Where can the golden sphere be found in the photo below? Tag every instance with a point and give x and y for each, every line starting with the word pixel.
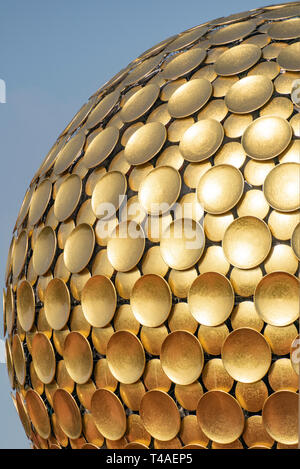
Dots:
pixel 152 291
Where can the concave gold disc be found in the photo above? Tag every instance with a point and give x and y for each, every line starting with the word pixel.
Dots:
pixel 67 413
pixel 251 396
pixel 44 250
pixel 108 414
pixel 255 435
pixel 215 376
pixel 201 140
pixel 57 303
pixel 182 243
pixel 108 194
pixel 245 315
pixel 215 408
pixel 182 357
pixel 282 187
pixel 183 63
pixel 151 300
pixel 69 153
pixel 211 298
pixel 159 190
pixel 154 376
pixel 288 29
pixel 246 355
pixel 294 354
pixel 125 357
pixel 25 305
pixel 38 413
pixel 160 415
pixel 145 143
pixel 78 357
pixel 288 57
pixel 102 109
pixel 43 357
pixel 100 147
pixel 248 94
pixel 79 247
pixel 39 201
pixel 67 197
pixel 237 59
pixel 275 293
pixel 220 188
pixel 247 242
pixel 189 97
pixel 280 416
pixel 23 414
pixel 139 103
pixel 266 137
pixel 17 357
pixel 126 245
pixel 282 376
pixel 231 33
pixel 295 241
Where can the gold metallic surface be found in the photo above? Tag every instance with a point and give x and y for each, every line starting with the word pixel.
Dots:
pixel 154 265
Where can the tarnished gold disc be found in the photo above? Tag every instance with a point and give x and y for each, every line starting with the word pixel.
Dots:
pixel 44 250
pixel 183 63
pixel 151 300
pixel 211 298
pixel 182 243
pixel 125 357
pixel 282 187
pixel 108 414
pixel 145 143
pixel 57 303
pixel 38 413
pixel 248 94
pixel 189 97
pixel 108 194
pixel 78 357
pixel 79 247
pixel 43 357
pixel 160 415
pixel 237 59
pixel 266 137
pixel 215 408
pixel 277 292
pixel 247 242
pixel 159 190
pixel 220 189
pixel 280 416
pixel 139 103
pixel 67 197
pixel 246 355
pixel 182 357
pixel 201 140
pixel 67 413
pixel 98 300
pixel 100 147
pixel 126 245
pixel 25 305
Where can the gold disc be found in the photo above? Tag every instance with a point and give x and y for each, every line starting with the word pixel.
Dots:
pixel 245 315
pixel 67 197
pixel 98 300
pixel 139 103
pixel 247 242
pixel 67 413
pixel 126 245
pixel 183 63
pixel 182 243
pixel 237 59
pixel 43 358
pixel 251 396
pixel 201 140
pixel 277 292
pixel 211 298
pixel 159 190
pixel 253 203
pixel 288 57
pixel 182 367
pixel 255 435
pixel 151 300
pixel 295 241
pixel 108 414
pixel 39 201
pixel 38 413
pixel 78 357
pixel 108 194
pixel 145 143
pixel 246 355
pixel 102 109
pixel 282 188
pixel 16 359
pixel 215 408
pixel 100 147
pixel 281 258
pixel 79 248
pixel 288 29
pixel 280 338
pixel 220 189
pixel 57 303
pixel 231 33
pixel 280 416
pixel 25 305
pixel 125 357
pixel 69 153
pixel 189 97
pixel 215 376
pixel 44 250
pixel 266 137
pixel 282 376
pixel 232 153
pixel 248 94
pixel 160 415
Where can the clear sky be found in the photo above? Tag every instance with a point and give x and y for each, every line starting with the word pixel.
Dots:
pixel 54 55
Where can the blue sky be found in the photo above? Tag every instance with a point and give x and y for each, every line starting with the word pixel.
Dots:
pixel 54 55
